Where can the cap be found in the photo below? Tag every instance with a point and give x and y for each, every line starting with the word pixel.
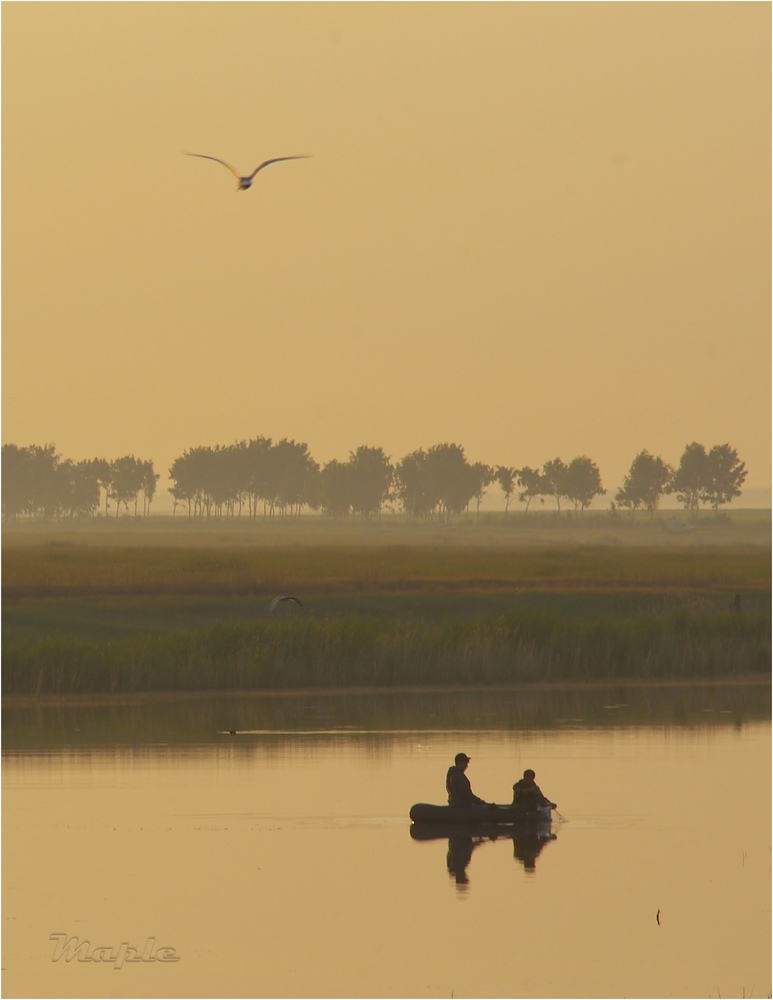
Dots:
pixel 461 758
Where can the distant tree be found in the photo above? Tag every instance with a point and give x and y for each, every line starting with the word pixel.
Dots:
pixel 371 480
pixel 291 471
pixel 506 478
pixel 412 485
pixel 726 475
pixel 532 484
pixel 149 480
pixel 691 479
pixel 17 481
pixel 36 482
pixel 553 480
pixel 450 479
pixel 645 483
pixel 225 483
pixel 220 480
pixel 334 489
pixel 256 458
pixel 126 477
pixel 101 468
pixel 185 488
pixel 582 482
pixel 77 489
pixel 481 477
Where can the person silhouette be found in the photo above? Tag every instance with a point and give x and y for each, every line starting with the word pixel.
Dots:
pixel 458 784
pixel 528 795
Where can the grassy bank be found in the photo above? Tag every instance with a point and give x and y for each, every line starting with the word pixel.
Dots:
pixel 168 612
pixel 340 652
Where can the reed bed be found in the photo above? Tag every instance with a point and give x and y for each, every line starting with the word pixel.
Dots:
pixel 341 651
pixel 158 610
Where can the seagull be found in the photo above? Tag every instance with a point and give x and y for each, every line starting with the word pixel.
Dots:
pixel 278 600
pixel 246 182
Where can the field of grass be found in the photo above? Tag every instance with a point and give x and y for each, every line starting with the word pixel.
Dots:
pixel 162 607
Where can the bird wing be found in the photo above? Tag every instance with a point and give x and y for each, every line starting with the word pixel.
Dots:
pixel 278 600
pixel 277 159
pixel 204 156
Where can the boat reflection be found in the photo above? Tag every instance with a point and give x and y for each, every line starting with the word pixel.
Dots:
pixel 529 840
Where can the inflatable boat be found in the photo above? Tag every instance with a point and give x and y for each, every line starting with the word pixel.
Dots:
pixel 422 812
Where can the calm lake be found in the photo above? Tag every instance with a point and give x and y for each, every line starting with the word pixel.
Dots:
pixel 147 852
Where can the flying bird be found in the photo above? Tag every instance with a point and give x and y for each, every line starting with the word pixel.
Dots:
pixel 246 182
pixel 278 600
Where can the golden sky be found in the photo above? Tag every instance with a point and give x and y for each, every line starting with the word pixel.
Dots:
pixel 532 229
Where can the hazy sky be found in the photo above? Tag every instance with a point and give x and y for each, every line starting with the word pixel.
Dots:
pixel 532 229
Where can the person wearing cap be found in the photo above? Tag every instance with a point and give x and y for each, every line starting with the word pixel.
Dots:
pixel 458 784
pixel 528 795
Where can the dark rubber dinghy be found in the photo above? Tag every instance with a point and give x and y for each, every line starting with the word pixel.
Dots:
pixel 422 812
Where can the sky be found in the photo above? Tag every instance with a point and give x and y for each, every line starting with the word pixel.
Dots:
pixel 536 230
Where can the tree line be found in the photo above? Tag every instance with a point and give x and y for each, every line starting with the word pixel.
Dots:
pixel 262 478
pixel 38 483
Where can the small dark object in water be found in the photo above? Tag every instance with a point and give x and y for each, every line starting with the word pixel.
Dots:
pixel 232 732
pixel 736 605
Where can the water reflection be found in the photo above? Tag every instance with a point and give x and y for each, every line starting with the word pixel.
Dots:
pixel 528 844
pixel 210 718
pixel 255 856
pixel 529 840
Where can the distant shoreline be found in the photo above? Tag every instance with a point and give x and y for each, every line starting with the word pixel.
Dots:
pixel 13 700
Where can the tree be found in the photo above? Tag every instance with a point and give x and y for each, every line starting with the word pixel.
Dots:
pixel 186 483
pixel 42 481
pixel 126 477
pixel 371 480
pixel 726 475
pixel 532 484
pixel 255 457
pixel 149 480
pixel 450 479
pixel 481 477
pixel 645 483
pixel 582 482
pixel 413 488
pixel 334 489
pixel 553 480
pixel 291 470
pixel 78 488
pixel 506 478
pixel 690 480
pixel 101 468
pixel 17 481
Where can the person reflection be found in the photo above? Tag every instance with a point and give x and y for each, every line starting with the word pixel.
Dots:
pixel 460 850
pixel 529 841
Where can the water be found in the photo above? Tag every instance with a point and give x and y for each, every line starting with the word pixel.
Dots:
pixel 280 862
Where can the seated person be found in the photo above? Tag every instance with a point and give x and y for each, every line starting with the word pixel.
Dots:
pixel 527 795
pixel 458 784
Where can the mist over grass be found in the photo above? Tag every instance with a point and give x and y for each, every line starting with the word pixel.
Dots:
pixel 167 609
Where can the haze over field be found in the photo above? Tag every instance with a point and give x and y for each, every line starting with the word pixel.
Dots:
pixel 533 229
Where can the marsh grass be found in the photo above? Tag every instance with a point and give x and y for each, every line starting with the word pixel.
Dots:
pixel 50 570
pixel 121 612
pixel 341 651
